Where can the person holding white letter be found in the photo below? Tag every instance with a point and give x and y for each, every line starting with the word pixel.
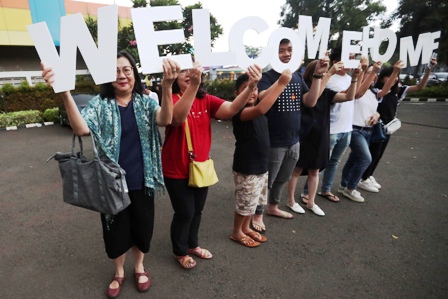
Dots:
pixel 123 122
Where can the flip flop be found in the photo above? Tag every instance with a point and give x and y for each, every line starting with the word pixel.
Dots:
pixel 186 261
pixel 257 227
pixel 283 214
pixel 246 241
pixel 257 237
pixel 330 197
pixel 200 252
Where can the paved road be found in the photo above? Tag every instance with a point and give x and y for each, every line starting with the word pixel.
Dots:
pixel 395 245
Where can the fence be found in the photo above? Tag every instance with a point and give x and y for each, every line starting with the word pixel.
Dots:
pixel 16 78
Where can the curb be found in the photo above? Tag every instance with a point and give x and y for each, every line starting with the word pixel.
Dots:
pixel 425 100
pixel 35 125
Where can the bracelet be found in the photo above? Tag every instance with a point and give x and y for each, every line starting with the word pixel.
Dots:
pixel 354 81
pixel 317 76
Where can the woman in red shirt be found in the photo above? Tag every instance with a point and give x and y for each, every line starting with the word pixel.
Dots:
pixel 193 104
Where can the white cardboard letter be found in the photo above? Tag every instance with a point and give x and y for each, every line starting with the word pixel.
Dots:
pixel 348 48
pixel 384 34
pixel 424 46
pixel 202 42
pixel 148 39
pixel 322 35
pixel 100 61
pixel 236 43
pixel 298 49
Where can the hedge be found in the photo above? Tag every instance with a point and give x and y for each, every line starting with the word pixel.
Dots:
pixel 39 97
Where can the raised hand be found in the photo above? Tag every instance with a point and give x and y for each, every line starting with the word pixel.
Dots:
pixel 364 63
pixel 195 73
pixel 285 77
pixel 336 67
pixel 47 74
pixel 376 66
pixel 254 72
pixel 170 71
pixel 322 65
pixel 356 72
pixel 398 65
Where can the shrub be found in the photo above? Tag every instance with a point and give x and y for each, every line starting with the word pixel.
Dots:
pixel 24 87
pixel 436 91
pixel 20 118
pixel 223 89
pixel 51 114
pixel 40 86
pixel 8 88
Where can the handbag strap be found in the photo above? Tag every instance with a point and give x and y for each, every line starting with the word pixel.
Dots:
pixel 189 144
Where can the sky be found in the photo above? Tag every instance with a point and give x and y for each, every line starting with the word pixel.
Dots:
pixel 229 11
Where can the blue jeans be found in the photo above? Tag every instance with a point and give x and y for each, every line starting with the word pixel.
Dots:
pixel 358 160
pixel 338 144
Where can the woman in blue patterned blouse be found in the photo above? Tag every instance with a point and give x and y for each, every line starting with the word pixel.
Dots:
pixel 124 123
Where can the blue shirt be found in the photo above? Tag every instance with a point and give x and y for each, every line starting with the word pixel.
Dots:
pixel 284 116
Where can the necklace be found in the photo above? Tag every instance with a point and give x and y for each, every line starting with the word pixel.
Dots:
pixel 123 103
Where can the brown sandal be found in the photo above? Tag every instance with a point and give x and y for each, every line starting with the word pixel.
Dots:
pixel 246 241
pixel 257 237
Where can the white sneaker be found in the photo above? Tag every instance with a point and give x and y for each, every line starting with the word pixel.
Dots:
pixel 316 210
pixel 341 189
pixel 368 186
pixel 354 195
pixel 374 182
pixel 296 208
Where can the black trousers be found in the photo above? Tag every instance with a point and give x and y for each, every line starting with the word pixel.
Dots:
pixel 131 227
pixel 376 150
pixel 188 204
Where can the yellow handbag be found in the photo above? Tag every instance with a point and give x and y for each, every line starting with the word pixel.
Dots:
pixel 201 174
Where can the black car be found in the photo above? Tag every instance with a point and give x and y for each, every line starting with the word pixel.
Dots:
pixel 81 101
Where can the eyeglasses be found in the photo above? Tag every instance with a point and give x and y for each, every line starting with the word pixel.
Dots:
pixel 127 70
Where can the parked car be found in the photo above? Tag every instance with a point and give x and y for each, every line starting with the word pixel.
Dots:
pixel 442 76
pixel 432 80
pixel 81 101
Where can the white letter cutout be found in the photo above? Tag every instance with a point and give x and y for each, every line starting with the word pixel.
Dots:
pixel 425 46
pixel 297 49
pixel 236 43
pixel 322 35
pixel 202 42
pixel 148 39
pixel 101 61
pixel 348 48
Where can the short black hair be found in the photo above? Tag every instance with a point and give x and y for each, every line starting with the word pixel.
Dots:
pixel 108 91
pixel 386 72
pixel 336 54
pixel 284 41
pixel 240 80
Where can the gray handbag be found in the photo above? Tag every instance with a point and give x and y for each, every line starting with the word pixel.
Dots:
pixel 98 185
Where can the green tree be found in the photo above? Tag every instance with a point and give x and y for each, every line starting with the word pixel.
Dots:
pixel 421 16
pixel 344 14
pixel 252 51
